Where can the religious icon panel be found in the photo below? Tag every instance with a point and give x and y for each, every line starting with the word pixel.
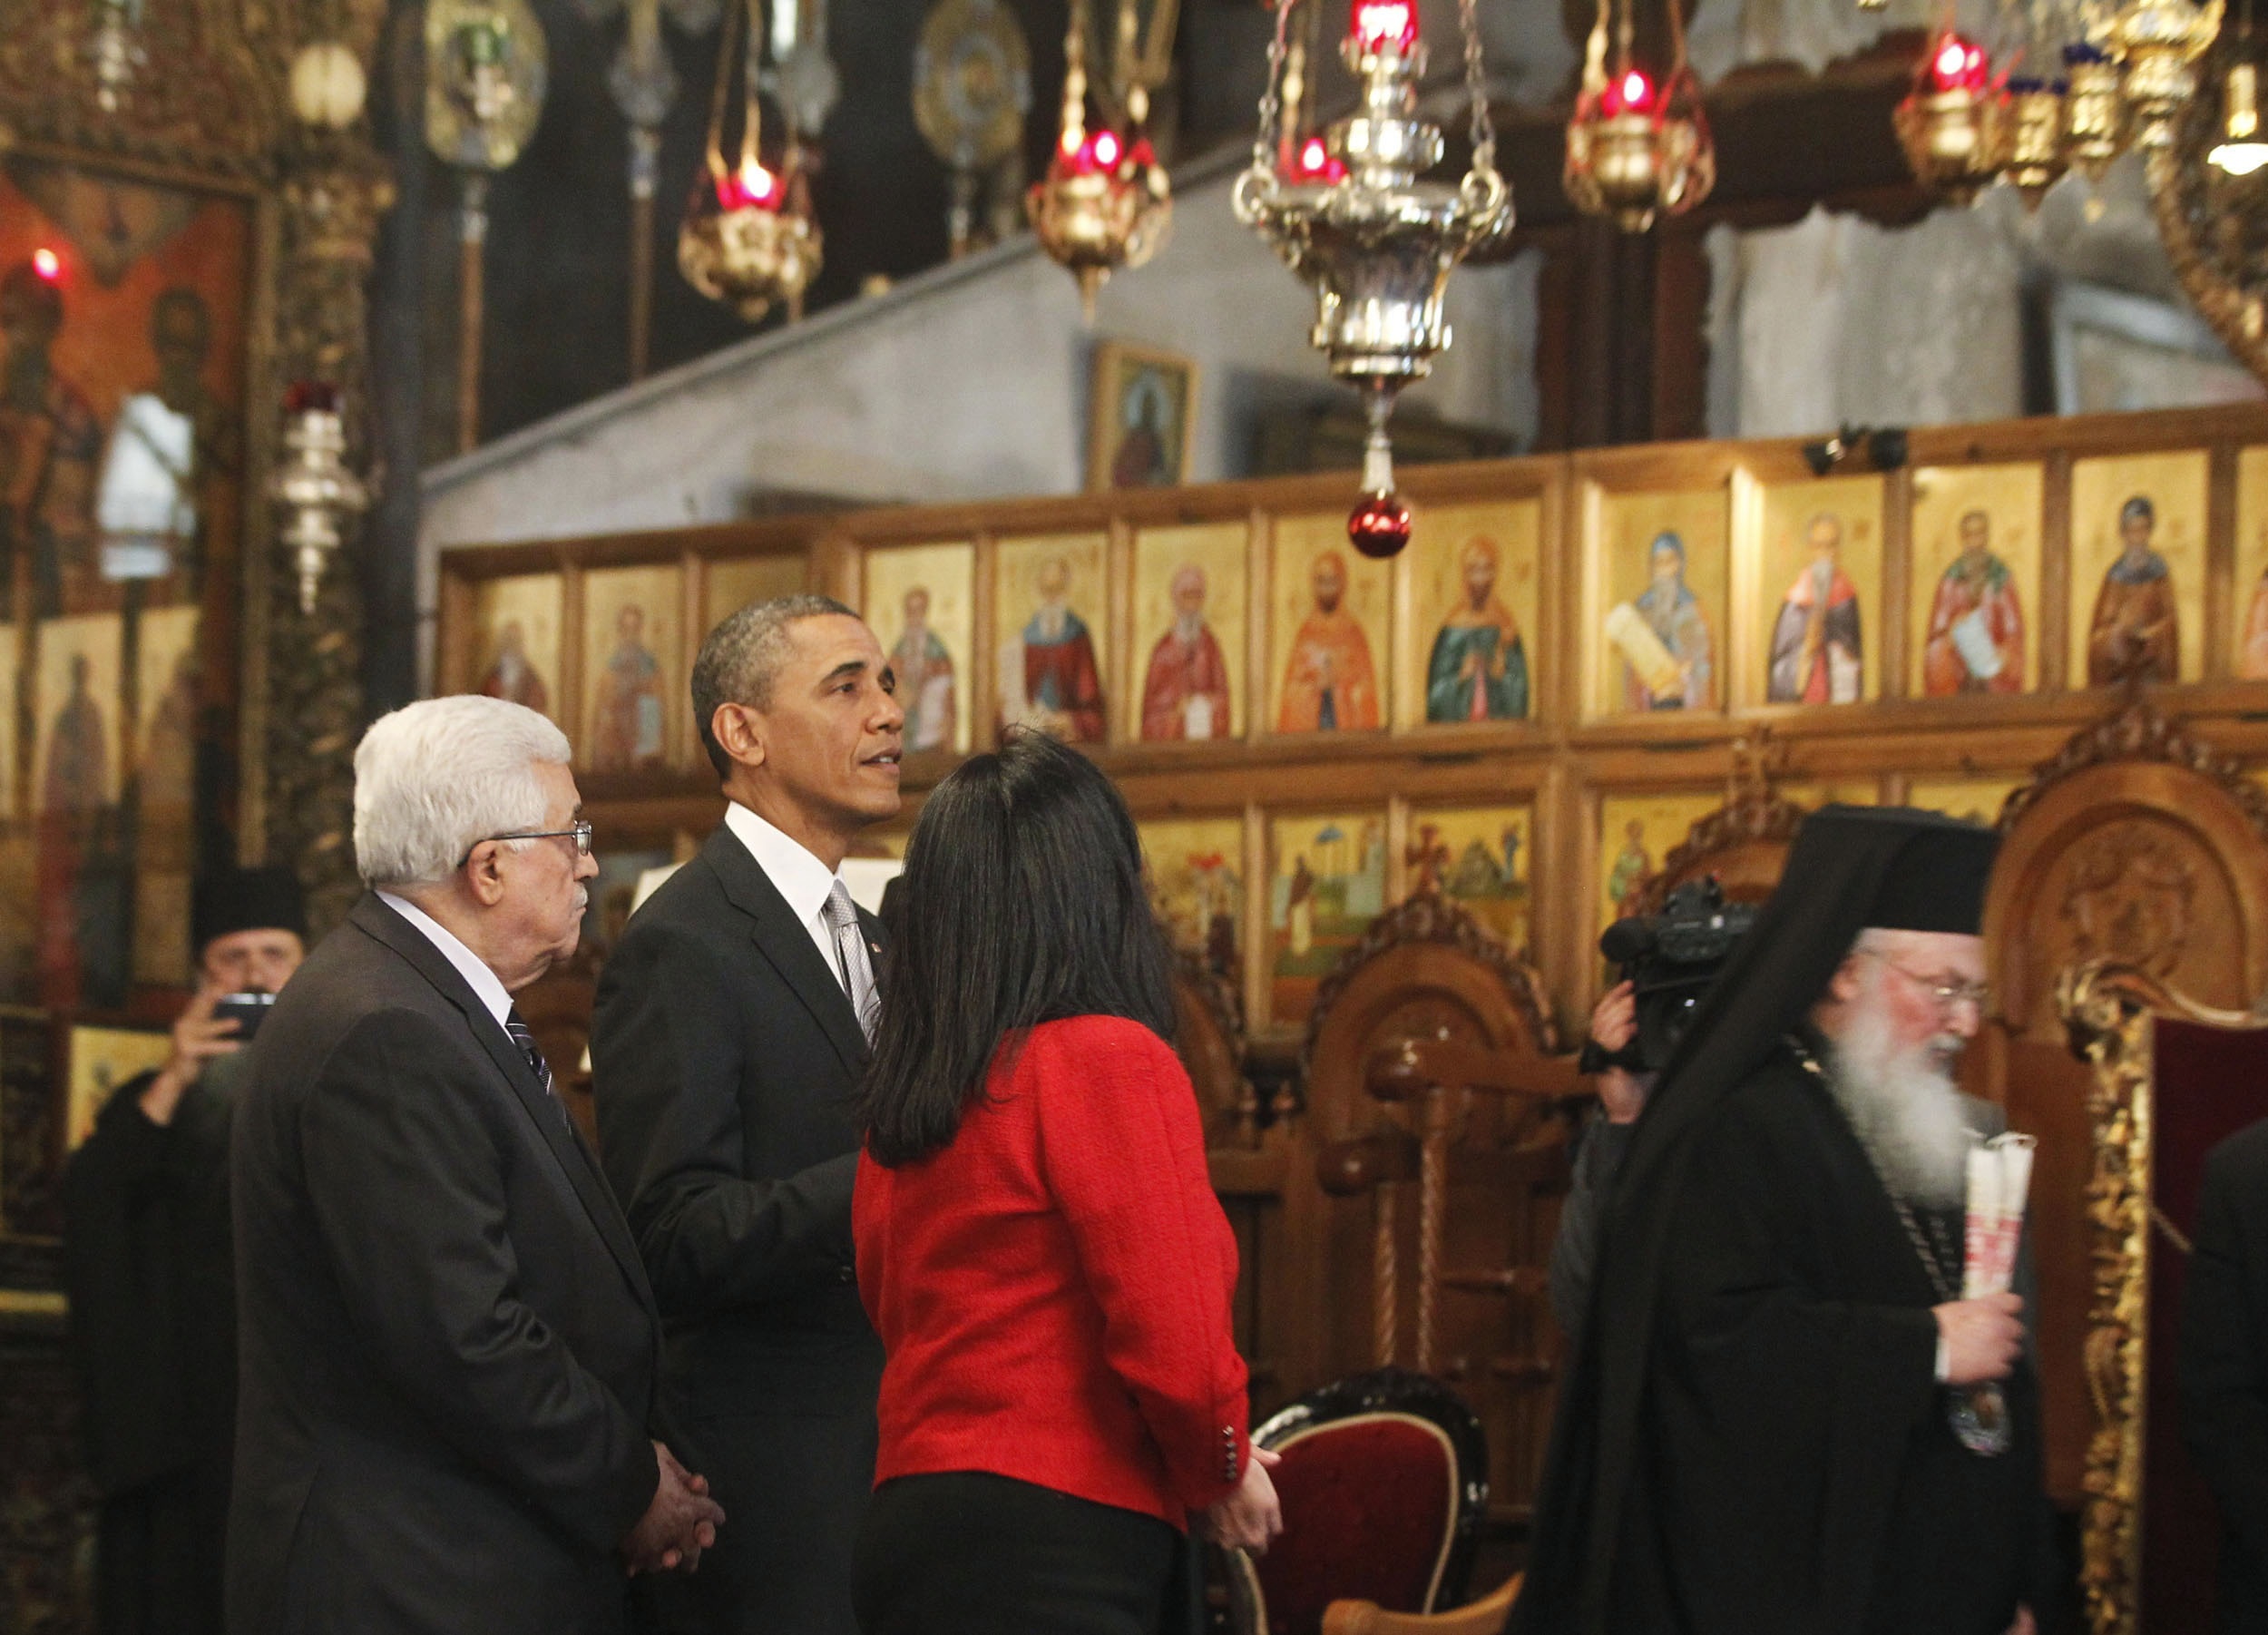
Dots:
pixel 634 667
pixel 1189 630
pixel 78 768
pixel 921 600
pixel 1971 800
pixel 729 583
pixel 1477 857
pixel 79 747
pixel 1138 418
pixel 2138 568
pixel 128 302
pixel 164 751
pixel 1473 570
pixel 1327 630
pixel 515 623
pixel 101 1060
pixel 1659 571
pixel 2251 600
pixel 1050 617
pixel 1327 883
pixel 1819 590
pixel 1636 834
pixel 1196 867
pixel 1974 605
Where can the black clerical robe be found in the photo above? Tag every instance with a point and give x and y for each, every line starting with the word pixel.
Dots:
pixel 1794 1468
pixel 147 1266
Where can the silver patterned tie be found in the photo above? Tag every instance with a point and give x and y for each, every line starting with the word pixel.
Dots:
pixel 852 963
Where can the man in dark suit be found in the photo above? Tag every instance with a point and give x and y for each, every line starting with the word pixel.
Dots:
pixel 2224 1369
pixel 731 1026
pixel 447 1342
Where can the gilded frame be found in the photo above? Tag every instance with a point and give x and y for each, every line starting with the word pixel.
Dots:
pixel 2110 1010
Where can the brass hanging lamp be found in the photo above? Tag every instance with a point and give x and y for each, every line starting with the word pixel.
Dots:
pixel 1105 202
pixel 1636 149
pixel 747 238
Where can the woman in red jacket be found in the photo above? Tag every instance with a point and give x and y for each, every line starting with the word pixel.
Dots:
pixel 1038 1243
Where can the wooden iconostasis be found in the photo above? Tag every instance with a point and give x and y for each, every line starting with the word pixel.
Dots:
pixel 1530 705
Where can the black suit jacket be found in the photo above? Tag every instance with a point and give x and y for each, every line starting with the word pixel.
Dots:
pixel 447 1340
pixel 2224 1368
pixel 725 1054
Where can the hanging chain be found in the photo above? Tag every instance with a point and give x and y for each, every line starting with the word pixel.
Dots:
pixel 1476 87
pixel 1264 144
pixel 716 100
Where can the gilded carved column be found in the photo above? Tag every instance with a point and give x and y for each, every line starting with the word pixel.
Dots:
pixel 334 190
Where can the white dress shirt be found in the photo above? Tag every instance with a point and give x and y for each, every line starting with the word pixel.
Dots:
pixel 797 875
pixel 470 966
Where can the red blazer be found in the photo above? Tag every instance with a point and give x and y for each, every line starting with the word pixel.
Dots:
pixel 1053 1289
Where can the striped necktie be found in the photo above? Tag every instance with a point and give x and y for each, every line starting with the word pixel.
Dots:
pixel 523 1036
pixel 852 966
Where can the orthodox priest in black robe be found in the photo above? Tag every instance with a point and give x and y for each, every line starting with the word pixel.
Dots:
pixel 1759 1433
pixel 148 1268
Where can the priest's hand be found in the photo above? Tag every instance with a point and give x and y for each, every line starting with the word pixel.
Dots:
pixel 1982 1338
pixel 679 1523
pixel 198 1037
pixel 1250 1517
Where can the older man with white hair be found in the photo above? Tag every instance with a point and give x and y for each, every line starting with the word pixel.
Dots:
pixel 1783 1415
pixel 448 1341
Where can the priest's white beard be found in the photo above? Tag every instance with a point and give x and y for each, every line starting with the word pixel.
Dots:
pixel 1904 1105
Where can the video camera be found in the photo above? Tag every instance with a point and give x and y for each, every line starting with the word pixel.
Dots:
pixel 1671 959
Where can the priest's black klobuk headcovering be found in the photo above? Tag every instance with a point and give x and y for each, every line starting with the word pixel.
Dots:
pixel 1850 868
pixel 247 899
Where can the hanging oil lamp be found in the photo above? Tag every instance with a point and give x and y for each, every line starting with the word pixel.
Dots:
pixel 2157 45
pixel 2093 114
pixel 747 238
pixel 317 495
pixel 1105 202
pixel 1378 244
pixel 2032 155
pixel 1950 122
pixel 1634 150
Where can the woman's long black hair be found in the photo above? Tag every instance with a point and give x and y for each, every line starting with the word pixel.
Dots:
pixel 1021 903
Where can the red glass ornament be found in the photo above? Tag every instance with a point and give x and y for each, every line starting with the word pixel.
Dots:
pixel 1630 91
pixel 1379 527
pixel 1316 163
pixel 1957 65
pixel 751 184
pixel 1384 25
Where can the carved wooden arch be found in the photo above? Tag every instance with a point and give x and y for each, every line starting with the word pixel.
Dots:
pixel 1426 969
pixel 2137 843
pixel 2134 791
pixel 1212 1047
pixel 1744 843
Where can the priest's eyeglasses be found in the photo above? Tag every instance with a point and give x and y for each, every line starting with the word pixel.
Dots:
pixel 580 829
pixel 1948 991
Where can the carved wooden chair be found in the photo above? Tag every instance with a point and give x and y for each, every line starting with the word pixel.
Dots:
pixel 1385 1486
pixel 2137 843
pixel 2170 1078
pixel 1433 1069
